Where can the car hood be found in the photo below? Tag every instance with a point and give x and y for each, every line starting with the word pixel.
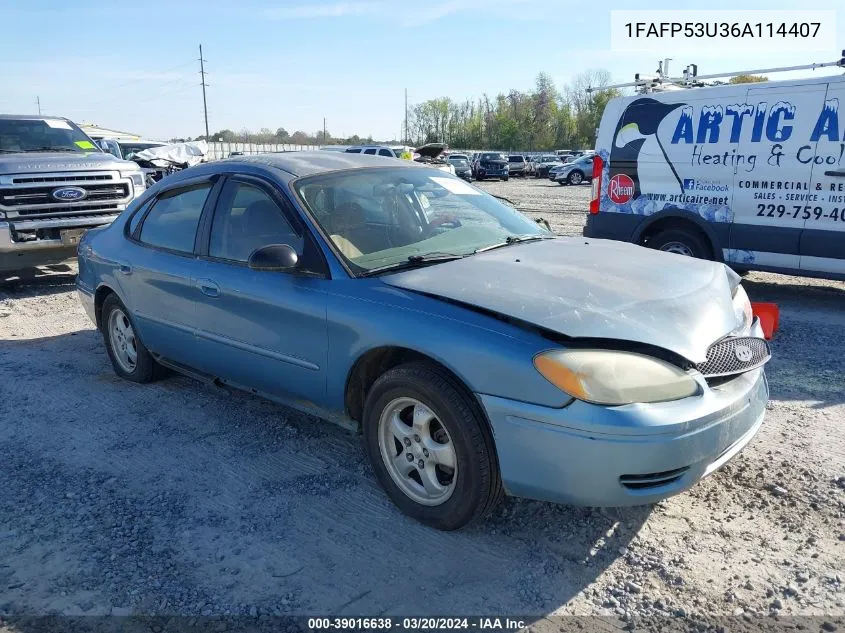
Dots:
pixel 61 161
pixel 584 288
pixel 432 150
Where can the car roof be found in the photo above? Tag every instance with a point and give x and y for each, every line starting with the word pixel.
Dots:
pixel 32 117
pixel 316 162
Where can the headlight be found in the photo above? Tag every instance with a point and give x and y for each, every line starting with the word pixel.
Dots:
pixel 614 378
pixel 137 178
pixel 742 311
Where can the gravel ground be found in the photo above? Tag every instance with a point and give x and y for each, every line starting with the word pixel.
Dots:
pixel 178 498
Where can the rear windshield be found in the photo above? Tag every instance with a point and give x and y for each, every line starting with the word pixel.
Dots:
pixel 493 156
pixel 42 135
pixel 516 159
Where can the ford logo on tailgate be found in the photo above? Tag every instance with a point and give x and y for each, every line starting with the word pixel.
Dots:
pixel 69 194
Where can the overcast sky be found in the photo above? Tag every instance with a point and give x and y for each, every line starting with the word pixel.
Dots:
pixel 133 66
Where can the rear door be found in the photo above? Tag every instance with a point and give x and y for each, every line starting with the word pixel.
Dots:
pixel 770 199
pixel 823 238
pixel 159 267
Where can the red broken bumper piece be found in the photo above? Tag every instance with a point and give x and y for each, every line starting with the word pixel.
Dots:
pixel 769 314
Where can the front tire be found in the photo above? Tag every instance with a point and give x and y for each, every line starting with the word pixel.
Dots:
pixel 681 242
pixel 130 359
pixel 431 449
pixel 505 178
pixel 575 178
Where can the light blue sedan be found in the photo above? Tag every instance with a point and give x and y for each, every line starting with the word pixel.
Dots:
pixel 477 353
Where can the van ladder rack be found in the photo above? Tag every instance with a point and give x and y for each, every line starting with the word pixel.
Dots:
pixel 691 79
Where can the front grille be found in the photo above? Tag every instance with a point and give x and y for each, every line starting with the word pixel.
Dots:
pixel 652 480
pixel 27 196
pixel 735 355
pixel 61 179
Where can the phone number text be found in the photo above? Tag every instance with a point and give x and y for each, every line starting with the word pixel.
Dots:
pixel 801 212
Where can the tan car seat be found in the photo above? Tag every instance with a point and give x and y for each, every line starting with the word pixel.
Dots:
pixel 346 216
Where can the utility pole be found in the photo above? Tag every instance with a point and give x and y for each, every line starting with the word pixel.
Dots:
pixel 407 134
pixel 325 142
pixel 38 103
pixel 204 85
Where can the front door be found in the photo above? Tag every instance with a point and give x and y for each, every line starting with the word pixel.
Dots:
pixel 257 329
pixel 823 239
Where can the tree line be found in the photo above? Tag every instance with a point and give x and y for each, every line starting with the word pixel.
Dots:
pixel 544 118
pixel 282 136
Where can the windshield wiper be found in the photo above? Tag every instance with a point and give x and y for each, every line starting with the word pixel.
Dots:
pixel 414 261
pixel 515 239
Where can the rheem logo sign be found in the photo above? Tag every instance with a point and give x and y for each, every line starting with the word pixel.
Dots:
pixel 620 189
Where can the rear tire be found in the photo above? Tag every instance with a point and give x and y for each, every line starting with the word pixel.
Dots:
pixel 575 178
pixel 681 242
pixel 424 406
pixel 505 179
pixel 130 359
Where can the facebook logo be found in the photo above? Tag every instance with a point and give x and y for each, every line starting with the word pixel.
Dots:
pixel 689 183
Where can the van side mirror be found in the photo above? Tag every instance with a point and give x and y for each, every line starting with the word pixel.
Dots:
pixel 275 257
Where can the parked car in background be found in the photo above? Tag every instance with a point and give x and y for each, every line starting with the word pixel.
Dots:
pixel 462 167
pixel 544 164
pixel 458 157
pixel 472 348
pixel 125 149
pixel 434 155
pixel 529 166
pixel 372 150
pixel 574 173
pixel 516 165
pixel 55 183
pixel 491 165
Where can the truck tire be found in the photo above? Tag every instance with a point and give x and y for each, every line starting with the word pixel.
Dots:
pixel 681 242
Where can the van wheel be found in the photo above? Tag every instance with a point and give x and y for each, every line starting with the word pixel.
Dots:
pixel 430 448
pixel 680 242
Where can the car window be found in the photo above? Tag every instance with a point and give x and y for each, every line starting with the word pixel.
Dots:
pixel 386 152
pixel 370 151
pixel 247 218
pixel 354 150
pixel 172 221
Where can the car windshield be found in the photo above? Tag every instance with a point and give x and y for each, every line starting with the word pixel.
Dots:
pixel 42 135
pixel 492 156
pixel 381 217
pixel 516 159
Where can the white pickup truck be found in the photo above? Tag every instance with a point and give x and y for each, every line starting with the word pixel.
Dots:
pixel 55 183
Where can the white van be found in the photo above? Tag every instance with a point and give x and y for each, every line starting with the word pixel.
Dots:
pixel 749 174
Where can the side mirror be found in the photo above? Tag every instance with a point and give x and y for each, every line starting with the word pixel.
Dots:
pixel 275 257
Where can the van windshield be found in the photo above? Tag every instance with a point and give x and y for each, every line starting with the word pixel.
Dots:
pixel 43 135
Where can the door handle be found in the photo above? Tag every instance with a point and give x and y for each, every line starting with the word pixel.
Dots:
pixel 208 287
pixel 125 268
pixel 840 173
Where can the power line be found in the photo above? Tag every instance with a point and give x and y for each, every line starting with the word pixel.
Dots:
pixel 204 85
